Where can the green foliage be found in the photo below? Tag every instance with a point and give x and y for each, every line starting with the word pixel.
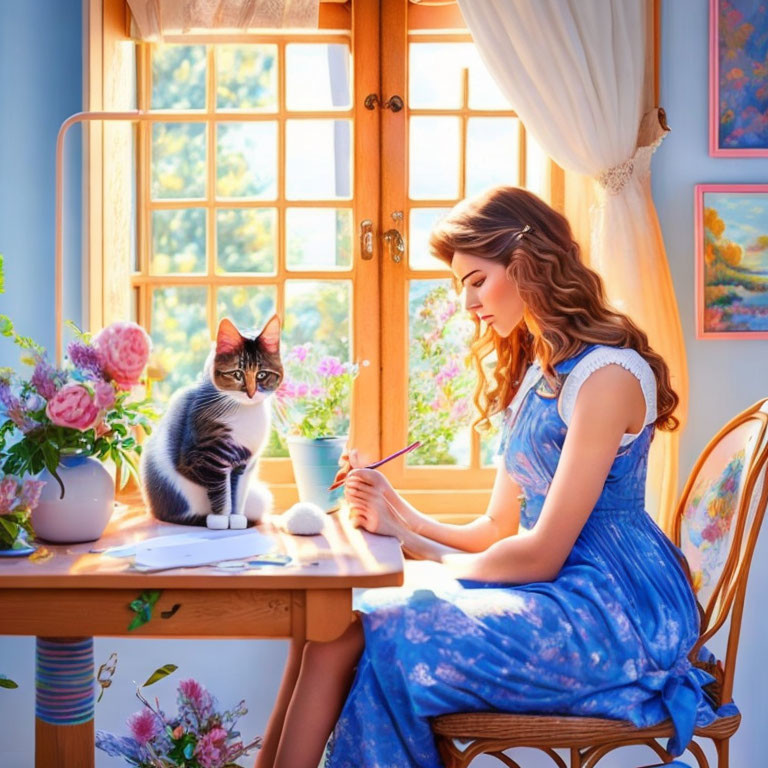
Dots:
pixel 15 529
pixel 142 606
pixel 160 673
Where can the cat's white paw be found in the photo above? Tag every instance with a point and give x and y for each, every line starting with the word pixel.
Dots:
pixel 217 522
pixel 258 502
pixel 238 522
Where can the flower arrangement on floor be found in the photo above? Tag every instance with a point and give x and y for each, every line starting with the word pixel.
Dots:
pixel 17 500
pixel 198 736
pixel 83 409
pixel 313 399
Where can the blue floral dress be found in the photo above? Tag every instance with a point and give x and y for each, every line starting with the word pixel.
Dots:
pixel 609 637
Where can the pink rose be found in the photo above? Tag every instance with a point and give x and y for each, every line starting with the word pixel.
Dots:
pixel 103 395
pixel 124 351
pixel 72 406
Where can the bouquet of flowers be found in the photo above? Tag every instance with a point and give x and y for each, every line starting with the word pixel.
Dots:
pixel 313 398
pixel 17 500
pixel 198 736
pixel 85 408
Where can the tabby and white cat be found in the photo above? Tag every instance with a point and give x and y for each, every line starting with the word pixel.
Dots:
pixel 198 466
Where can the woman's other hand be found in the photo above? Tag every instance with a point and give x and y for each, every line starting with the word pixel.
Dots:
pixel 369 495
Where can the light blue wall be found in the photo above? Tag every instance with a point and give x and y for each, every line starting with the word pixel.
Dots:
pixel 40 86
pixel 726 375
pixel 38 91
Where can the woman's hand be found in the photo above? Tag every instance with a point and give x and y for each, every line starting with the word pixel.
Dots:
pixel 349 460
pixel 368 493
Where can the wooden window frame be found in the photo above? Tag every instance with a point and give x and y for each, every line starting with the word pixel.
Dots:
pixel 109 68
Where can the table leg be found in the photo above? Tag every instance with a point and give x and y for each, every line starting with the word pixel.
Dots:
pixel 64 703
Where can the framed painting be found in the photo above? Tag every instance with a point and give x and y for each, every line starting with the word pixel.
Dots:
pixel 731 261
pixel 738 78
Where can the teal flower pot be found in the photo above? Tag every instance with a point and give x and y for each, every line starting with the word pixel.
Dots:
pixel 315 464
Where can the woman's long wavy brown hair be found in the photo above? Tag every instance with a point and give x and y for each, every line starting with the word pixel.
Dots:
pixel 564 300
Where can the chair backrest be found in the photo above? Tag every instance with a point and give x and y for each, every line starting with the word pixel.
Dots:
pixel 717 524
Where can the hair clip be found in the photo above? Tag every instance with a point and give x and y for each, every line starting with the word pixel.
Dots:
pixel 527 228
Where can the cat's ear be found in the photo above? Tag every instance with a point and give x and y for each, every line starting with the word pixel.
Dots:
pixel 228 338
pixel 270 335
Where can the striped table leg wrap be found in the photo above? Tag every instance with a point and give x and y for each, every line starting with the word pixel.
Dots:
pixel 64 681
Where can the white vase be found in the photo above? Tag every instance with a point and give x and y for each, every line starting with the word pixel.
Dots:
pixel 83 513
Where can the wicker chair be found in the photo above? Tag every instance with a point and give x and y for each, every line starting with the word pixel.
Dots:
pixel 725 494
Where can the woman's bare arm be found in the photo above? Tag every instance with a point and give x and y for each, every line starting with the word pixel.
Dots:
pixel 608 403
pixel 500 520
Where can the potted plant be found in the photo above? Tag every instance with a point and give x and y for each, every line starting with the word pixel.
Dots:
pixel 198 736
pixel 62 423
pixel 312 409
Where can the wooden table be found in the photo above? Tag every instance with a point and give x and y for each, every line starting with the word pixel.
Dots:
pixel 68 599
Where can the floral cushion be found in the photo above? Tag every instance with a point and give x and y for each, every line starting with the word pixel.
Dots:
pixel 709 518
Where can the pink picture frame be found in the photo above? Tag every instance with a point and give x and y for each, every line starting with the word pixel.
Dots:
pixel 731 261
pixel 739 101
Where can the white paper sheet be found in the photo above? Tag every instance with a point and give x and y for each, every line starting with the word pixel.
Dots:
pixel 172 540
pixel 203 548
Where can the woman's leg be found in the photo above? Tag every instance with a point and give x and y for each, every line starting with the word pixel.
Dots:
pixel 326 675
pixel 266 755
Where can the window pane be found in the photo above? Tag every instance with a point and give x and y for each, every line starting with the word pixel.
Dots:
pixel 535 167
pixel 178 76
pixel 484 93
pixel 246 159
pixel 180 336
pixel 492 153
pixel 434 157
pixel 422 222
pixel 318 311
pixel 489 441
pixel 246 77
pixel 318 238
pixel 247 306
pixel 178 241
pixel 318 159
pixel 436 78
pixel 245 239
pixel 317 76
pixel 178 160
pixel 436 74
pixel 315 347
pixel 440 386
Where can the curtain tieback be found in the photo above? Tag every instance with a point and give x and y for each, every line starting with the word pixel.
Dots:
pixel 614 179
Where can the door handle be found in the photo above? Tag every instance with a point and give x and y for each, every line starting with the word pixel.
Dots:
pixel 366 239
pixel 394 240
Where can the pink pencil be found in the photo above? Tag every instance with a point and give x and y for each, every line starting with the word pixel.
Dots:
pixel 411 447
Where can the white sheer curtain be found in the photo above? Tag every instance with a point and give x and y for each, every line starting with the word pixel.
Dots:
pixel 157 18
pixel 574 70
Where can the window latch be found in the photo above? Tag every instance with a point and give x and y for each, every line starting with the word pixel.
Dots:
pixel 395 103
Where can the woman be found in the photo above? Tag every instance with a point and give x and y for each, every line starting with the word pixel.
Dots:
pixel 584 610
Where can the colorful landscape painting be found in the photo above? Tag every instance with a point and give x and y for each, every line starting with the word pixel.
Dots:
pixel 739 77
pixel 732 260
